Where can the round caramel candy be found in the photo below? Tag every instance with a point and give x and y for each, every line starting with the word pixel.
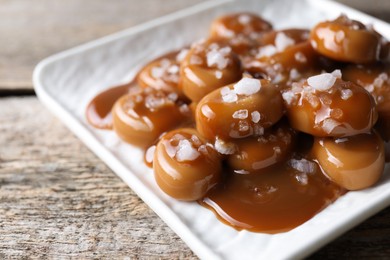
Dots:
pixel 140 118
pixel 163 73
pixel 185 167
pixel 354 162
pixel 233 25
pixel 376 80
pixel 346 40
pixel 208 66
pixel 239 110
pixel 325 105
pixel 256 153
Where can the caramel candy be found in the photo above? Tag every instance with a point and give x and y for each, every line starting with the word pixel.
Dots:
pixel 233 25
pixel 325 105
pixel 140 118
pixel 162 73
pixel 256 153
pixel 346 40
pixel 208 66
pixel 354 162
pixel 375 79
pixel 239 110
pixel 185 167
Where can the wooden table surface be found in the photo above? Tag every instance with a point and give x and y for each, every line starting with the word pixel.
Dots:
pixel 57 199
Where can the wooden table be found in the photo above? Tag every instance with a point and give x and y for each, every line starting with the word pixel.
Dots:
pixel 57 199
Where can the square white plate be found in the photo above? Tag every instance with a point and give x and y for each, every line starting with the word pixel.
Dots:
pixel 67 81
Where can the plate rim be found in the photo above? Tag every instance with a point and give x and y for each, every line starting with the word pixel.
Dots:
pixel 92 142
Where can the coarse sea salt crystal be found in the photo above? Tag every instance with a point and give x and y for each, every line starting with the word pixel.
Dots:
pixel 282 41
pixel 266 51
pixel 294 74
pixel 240 114
pixel 247 86
pixel 165 63
pixel 329 124
pixel 173 69
pixel 289 97
pixel 380 80
pixel 181 55
pixel 173 96
pixel 196 140
pixel 302 178
pixel 346 93
pixel 258 130
pixel 322 82
pixel 300 57
pixel 337 74
pixel 154 102
pixel 224 147
pixel 243 126
pixel 216 58
pixel 228 95
pixel 186 152
pixel 157 72
pixel 255 115
pixel 302 165
pixel 218 74
pixel 244 19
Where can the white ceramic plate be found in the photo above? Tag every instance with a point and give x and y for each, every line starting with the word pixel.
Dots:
pixel 67 81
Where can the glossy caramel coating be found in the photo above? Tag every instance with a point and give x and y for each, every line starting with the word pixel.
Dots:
pixel 375 79
pixel 346 40
pixel 229 113
pixel 256 153
pixel 208 66
pixel 354 162
pixel 140 118
pixel 185 167
pixel 341 109
pixel 98 112
pixel 236 24
pixel 163 73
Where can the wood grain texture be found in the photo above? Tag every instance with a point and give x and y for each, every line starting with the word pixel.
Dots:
pixel 58 200
pixel 31 31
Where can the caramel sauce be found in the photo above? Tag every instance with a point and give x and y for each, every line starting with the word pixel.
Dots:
pixel 98 111
pixel 276 199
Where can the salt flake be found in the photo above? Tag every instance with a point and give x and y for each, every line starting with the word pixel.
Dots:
pixel 322 82
pixel 247 86
pixel 186 152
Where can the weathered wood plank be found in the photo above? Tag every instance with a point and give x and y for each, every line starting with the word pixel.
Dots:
pixel 57 200
pixel 31 31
